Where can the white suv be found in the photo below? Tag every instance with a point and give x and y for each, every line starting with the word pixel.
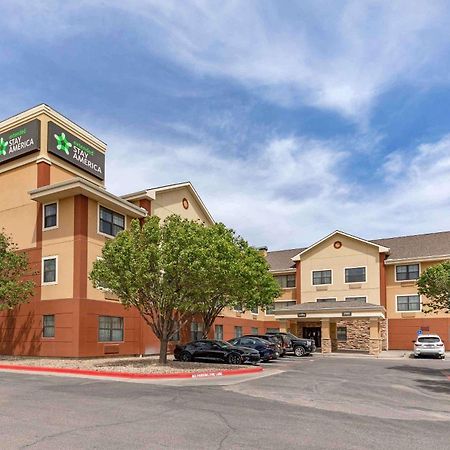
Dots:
pixel 430 344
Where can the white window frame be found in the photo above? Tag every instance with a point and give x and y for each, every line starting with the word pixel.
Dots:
pixel 407 264
pixel 49 283
pixel 356 267
pixel 99 205
pixel 409 310
pixel 57 216
pixel 321 270
pixel 355 296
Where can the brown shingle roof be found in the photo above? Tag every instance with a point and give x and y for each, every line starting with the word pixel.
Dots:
pixel 417 246
pixel 281 259
pixel 402 247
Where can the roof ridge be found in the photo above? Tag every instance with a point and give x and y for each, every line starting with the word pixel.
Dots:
pixel 409 235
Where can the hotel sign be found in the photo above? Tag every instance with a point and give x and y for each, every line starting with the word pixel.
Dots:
pixel 75 151
pixel 346 314
pixel 301 315
pixel 20 141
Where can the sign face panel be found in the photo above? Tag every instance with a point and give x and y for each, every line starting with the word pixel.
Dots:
pixel 20 141
pixel 75 151
pixel 301 315
pixel 346 314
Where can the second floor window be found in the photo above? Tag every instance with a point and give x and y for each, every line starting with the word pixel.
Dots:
pixel 321 277
pixel 49 270
pixel 50 215
pixel 286 281
pixel 408 303
pixel 355 275
pixel 110 222
pixel 407 272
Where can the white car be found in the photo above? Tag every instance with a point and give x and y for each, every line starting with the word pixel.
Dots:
pixel 430 344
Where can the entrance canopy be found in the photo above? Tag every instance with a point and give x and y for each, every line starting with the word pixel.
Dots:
pixel 330 310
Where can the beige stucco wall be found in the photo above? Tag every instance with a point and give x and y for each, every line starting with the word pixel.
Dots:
pixel 353 253
pixel 170 202
pixel 59 242
pixel 394 288
pixel 248 315
pixel 17 211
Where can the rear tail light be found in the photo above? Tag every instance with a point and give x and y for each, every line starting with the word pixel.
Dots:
pixel 440 345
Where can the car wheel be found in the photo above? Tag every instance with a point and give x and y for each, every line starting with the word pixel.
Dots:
pixel 299 351
pixel 234 359
pixel 185 357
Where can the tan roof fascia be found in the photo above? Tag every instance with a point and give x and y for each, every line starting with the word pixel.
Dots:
pixel 148 194
pixel 282 271
pixel 416 259
pixel 82 186
pixel 37 111
pixel 381 248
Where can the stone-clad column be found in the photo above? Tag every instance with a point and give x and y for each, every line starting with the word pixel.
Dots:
pixel 375 337
pixel 325 333
pixel 333 336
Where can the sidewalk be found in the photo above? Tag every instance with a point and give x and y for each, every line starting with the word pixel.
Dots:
pixel 387 354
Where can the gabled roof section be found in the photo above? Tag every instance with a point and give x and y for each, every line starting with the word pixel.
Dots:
pixel 417 247
pixel 281 260
pixel 151 193
pixel 381 248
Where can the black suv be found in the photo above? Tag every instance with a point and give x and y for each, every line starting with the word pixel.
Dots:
pixel 216 350
pixel 299 346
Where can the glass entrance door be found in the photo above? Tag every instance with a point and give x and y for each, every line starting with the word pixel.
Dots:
pixel 313 333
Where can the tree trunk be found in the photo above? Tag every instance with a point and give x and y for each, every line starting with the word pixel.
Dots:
pixel 163 350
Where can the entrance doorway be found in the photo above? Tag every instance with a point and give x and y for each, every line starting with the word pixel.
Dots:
pixel 313 333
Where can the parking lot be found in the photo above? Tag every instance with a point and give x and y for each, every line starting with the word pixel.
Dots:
pixel 314 402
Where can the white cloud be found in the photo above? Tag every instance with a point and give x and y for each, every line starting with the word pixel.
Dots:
pixel 292 191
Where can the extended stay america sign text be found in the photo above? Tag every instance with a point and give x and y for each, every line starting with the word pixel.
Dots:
pixel 20 141
pixel 74 150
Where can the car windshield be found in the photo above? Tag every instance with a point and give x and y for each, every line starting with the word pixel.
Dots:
pixel 429 339
pixel 223 344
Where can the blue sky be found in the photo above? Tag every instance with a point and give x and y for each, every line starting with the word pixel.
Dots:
pixel 291 119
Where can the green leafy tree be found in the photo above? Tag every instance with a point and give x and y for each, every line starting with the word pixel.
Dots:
pixel 155 268
pixel 434 283
pixel 234 274
pixel 14 267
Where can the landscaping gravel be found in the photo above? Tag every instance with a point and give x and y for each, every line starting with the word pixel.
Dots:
pixel 147 364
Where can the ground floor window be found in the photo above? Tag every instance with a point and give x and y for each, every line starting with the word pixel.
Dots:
pixel 48 326
pixel 237 332
pixel 408 303
pixel 110 329
pixel 342 334
pixel 196 331
pixel 176 335
pixel 255 330
pixel 272 330
pixel 218 332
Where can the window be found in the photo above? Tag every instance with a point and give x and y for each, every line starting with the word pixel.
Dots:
pixel 341 334
pixel 272 330
pixel 325 300
pixel 50 216
pixel 407 272
pixel 355 275
pixel 408 302
pixel 176 335
pixel 356 299
pixel 284 305
pixel 110 222
pixel 321 277
pixel 286 281
pixel 239 308
pixel 48 326
pixel 49 270
pixel 196 331
pixel 255 310
pixel 218 332
pixel 270 309
pixel 255 330
pixel 237 332
pixel 110 329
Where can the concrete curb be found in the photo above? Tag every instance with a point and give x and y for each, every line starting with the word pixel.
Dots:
pixel 129 375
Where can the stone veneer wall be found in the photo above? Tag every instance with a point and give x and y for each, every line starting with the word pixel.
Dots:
pixel 358 334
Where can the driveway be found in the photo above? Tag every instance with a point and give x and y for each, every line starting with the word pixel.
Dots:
pixel 314 403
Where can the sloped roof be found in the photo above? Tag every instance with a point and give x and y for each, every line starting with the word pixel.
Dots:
pixel 282 259
pixel 417 246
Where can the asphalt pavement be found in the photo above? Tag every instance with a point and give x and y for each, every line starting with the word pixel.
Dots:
pixel 313 402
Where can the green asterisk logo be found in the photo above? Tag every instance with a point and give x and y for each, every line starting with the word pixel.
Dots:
pixel 63 143
pixel 3 147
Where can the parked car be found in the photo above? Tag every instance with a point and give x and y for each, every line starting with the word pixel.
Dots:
pixel 267 350
pixel 299 346
pixel 274 340
pixel 430 345
pixel 206 349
